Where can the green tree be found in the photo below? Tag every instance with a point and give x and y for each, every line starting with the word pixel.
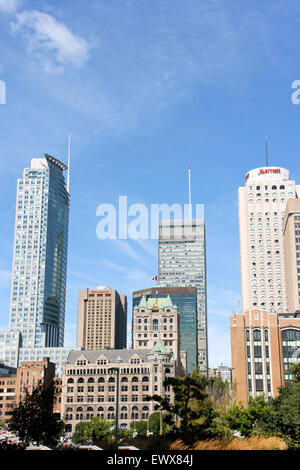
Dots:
pixel 96 429
pixel 158 420
pixel 140 427
pixel 244 420
pixel 221 395
pixel 192 407
pixel 79 436
pixel 286 409
pixel 33 419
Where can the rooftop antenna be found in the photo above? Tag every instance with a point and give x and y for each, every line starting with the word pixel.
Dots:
pixel 190 197
pixel 68 177
pixel 267 156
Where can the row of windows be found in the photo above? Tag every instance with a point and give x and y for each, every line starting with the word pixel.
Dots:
pixel 79 409
pixel 251 201
pixel 110 380
pixel 287 335
pixel 135 370
pixel 282 186
pixel 256 335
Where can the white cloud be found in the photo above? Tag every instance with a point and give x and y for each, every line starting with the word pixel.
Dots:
pixel 9 6
pixel 128 250
pixel 50 42
pixel 149 246
pixel 130 274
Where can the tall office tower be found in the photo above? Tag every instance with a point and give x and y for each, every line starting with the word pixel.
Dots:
pixel 262 203
pixel 101 319
pixel 185 298
pixel 182 263
pixel 263 347
pixel 291 238
pixel 38 290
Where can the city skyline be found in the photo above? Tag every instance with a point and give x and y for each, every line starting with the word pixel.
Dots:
pixel 144 92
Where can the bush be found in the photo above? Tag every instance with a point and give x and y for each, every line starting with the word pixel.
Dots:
pixel 250 443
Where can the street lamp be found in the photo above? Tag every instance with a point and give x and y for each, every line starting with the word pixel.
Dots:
pixel 116 369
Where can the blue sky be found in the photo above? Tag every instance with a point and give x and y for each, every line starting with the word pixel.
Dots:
pixel 146 88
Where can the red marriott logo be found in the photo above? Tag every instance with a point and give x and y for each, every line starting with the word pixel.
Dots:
pixel 99 292
pixel 264 171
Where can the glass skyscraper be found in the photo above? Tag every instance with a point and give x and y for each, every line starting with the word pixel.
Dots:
pixel 182 263
pixel 38 291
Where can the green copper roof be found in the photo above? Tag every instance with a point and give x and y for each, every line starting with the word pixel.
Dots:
pixel 143 302
pixel 156 302
pixel 159 347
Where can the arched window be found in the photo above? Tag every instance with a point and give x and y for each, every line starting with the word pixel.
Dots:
pixel 91 380
pixel 134 379
pixel 70 381
pixel 100 408
pixel 69 410
pixel 124 379
pixel 291 335
pixel 80 380
pixel 111 379
pixel 134 413
pixel 145 379
pixel 79 409
pixel 256 335
pixel 101 380
pixel 124 408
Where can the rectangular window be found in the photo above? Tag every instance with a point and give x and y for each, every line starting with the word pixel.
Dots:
pixel 257 351
pixel 259 384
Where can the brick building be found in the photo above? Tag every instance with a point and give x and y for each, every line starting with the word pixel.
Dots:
pixel 263 347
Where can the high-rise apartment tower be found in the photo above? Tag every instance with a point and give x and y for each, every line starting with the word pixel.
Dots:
pixel 38 290
pixel 262 203
pixel 291 239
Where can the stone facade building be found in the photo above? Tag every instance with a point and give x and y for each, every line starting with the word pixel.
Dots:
pixel 93 382
pixel 157 319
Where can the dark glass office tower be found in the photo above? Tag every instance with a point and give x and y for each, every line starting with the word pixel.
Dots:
pixel 38 291
pixel 182 262
pixel 185 298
